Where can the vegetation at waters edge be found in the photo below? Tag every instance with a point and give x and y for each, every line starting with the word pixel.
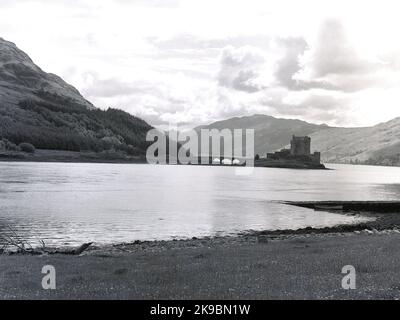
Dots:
pixel 27 147
pixel 63 124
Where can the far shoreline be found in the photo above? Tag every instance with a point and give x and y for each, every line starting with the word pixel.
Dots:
pixel 60 156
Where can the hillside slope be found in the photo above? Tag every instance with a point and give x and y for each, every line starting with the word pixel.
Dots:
pixel 42 109
pixel 379 144
pixel 271 133
pixel 21 79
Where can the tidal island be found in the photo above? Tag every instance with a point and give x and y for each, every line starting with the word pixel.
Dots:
pixel 299 156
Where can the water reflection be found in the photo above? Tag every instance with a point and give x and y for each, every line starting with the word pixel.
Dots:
pixel 75 203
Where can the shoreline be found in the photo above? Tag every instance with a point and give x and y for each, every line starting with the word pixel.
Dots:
pixel 59 156
pixel 383 222
pixel 285 264
pixel 298 267
pixel 380 222
pixel 53 156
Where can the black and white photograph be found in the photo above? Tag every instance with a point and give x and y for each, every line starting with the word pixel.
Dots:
pixel 199 155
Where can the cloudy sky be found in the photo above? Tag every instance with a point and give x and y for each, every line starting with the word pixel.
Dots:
pixel 194 62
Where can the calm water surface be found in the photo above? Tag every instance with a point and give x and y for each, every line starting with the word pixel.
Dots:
pixel 68 204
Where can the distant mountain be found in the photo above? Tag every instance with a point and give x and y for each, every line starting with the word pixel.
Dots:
pixel 378 145
pixel 42 109
pixel 271 133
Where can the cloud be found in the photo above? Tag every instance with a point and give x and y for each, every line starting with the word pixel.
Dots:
pixel 240 68
pixel 289 64
pixel 109 88
pixel 320 81
pixel 151 3
pixel 316 105
pixel 186 41
pixel 196 61
pixel 334 63
pixel 249 79
pixel 335 55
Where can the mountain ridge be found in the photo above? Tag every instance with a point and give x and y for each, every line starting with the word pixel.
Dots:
pixel 377 145
pixel 42 109
pixel 271 133
pixel 22 78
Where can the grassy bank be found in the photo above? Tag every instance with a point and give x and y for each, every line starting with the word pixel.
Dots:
pixel 285 264
pixel 296 267
pixel 41 155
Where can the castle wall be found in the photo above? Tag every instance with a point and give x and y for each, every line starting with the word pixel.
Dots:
pixel 300 150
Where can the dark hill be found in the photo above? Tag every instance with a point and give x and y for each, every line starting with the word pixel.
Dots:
pixel 40 108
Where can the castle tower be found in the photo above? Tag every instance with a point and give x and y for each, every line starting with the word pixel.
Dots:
pixel 300 146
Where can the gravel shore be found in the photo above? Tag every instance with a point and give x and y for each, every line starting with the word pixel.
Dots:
pixel 301 264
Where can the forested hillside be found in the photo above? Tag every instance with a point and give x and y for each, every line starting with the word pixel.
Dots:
pixel 41 109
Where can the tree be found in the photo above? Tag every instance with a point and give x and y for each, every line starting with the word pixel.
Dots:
pixel 27 147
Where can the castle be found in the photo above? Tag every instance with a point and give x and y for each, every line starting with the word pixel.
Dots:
pixel 300 150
